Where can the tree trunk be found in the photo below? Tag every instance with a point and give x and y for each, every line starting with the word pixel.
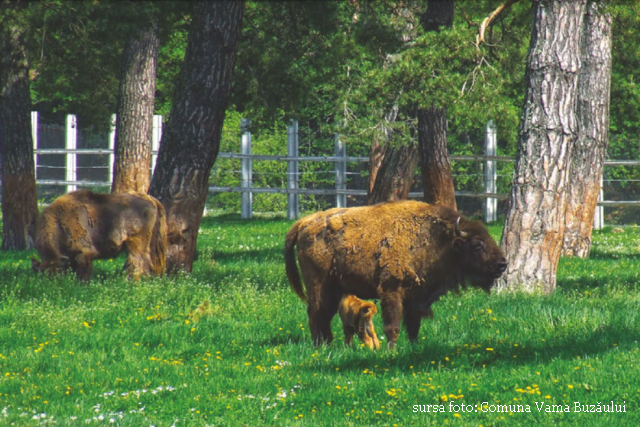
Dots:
pixel 593 116
pixel 395 175
pixel 439 13
pixel 191 141
pixel 437 179
pixel 391 168
pixel 19 200
pixel 134 123
pixel 534 228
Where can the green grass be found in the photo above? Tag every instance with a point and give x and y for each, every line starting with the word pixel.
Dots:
pixel 141 353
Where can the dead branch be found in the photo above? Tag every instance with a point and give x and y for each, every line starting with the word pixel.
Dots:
pixel 489 19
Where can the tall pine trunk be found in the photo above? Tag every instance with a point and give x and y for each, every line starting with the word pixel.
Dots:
pixel 395 175
pixel 19 200
pixel 437 179
pixel 534 229
pixel 593 115
pixel 134 123
pixel 191 140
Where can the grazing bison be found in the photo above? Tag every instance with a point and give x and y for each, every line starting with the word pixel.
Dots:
pixel 408 254
pixel 82 226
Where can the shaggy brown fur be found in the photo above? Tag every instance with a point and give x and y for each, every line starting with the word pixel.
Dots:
pixel 357 317
pixel 408 254
pixel 82 226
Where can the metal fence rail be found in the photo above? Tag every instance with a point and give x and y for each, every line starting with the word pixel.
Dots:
pixel 246 157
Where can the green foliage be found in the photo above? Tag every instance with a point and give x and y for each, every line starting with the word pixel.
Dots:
pixel 229 345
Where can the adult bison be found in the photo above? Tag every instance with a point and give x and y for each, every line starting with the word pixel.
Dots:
pixel 82 226
pixel 408 254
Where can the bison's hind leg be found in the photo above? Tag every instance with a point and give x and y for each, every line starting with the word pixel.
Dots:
pixel 323 306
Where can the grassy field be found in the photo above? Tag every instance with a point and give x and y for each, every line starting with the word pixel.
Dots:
pixel 229 345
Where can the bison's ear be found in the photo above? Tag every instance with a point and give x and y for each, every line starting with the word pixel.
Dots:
pixel 459 244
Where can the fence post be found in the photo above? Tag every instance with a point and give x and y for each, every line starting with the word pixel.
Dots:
pixel 34 136
pixel 293 205
pixel 71 139
pixel 156 136
pixel 598 218
pixel 112 147
pixel 341 172
pixel 247 163
pixel 490 173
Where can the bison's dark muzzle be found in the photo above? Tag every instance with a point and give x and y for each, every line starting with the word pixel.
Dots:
pixel 499 268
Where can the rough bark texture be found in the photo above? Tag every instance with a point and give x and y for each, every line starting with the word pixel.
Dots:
pixel 437 179
pixel 534 229
pixel 394 178
pixel 439 13
pixel 19 200
pixel 191 141
pixel 379 147
pixel 134 123
pixel 593 116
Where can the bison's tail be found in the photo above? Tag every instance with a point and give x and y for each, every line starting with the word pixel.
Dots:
pixel 159 240
pixel 290 262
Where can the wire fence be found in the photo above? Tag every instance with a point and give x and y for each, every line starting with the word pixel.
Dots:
pixel 314 173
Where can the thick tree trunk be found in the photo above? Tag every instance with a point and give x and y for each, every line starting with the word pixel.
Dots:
pixel 191 141
pixel 593 115
pixel 534 229
pixel 19 200
pixel 395 175
pixel 134 122
pixel 439 13
pixel 391 168
pixel 437 179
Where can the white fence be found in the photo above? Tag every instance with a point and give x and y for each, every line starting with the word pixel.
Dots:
pixel 293 158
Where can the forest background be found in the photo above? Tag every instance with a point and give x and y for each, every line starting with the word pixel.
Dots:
pixel 337 67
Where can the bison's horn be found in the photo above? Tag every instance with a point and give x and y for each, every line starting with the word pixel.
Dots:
pixel 458 231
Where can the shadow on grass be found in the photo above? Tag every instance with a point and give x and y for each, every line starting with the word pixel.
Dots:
pixel 430 355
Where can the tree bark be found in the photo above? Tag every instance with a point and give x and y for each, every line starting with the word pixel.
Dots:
pixel 391 168
pixel 439 13
pixel 534 229
pixel 134 123
pixel 394 178
pixel 591 145
pixel 191 141
pixel 437 179
pixel 19 200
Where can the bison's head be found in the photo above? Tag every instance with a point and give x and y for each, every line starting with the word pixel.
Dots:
pixel 479 257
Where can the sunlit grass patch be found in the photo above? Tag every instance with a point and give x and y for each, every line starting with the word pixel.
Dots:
pixel 229 345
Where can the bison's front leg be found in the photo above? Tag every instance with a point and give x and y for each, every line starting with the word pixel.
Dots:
pixel 391 304
pixel 83 265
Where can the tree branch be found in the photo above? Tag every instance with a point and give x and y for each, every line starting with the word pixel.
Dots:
pixel 489 19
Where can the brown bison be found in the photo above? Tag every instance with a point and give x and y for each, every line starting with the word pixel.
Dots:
pixel 408 254
pixel 82 226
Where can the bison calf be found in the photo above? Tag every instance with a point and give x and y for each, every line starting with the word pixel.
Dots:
pixel 408 254
pixel 357 318
pixel 82 226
